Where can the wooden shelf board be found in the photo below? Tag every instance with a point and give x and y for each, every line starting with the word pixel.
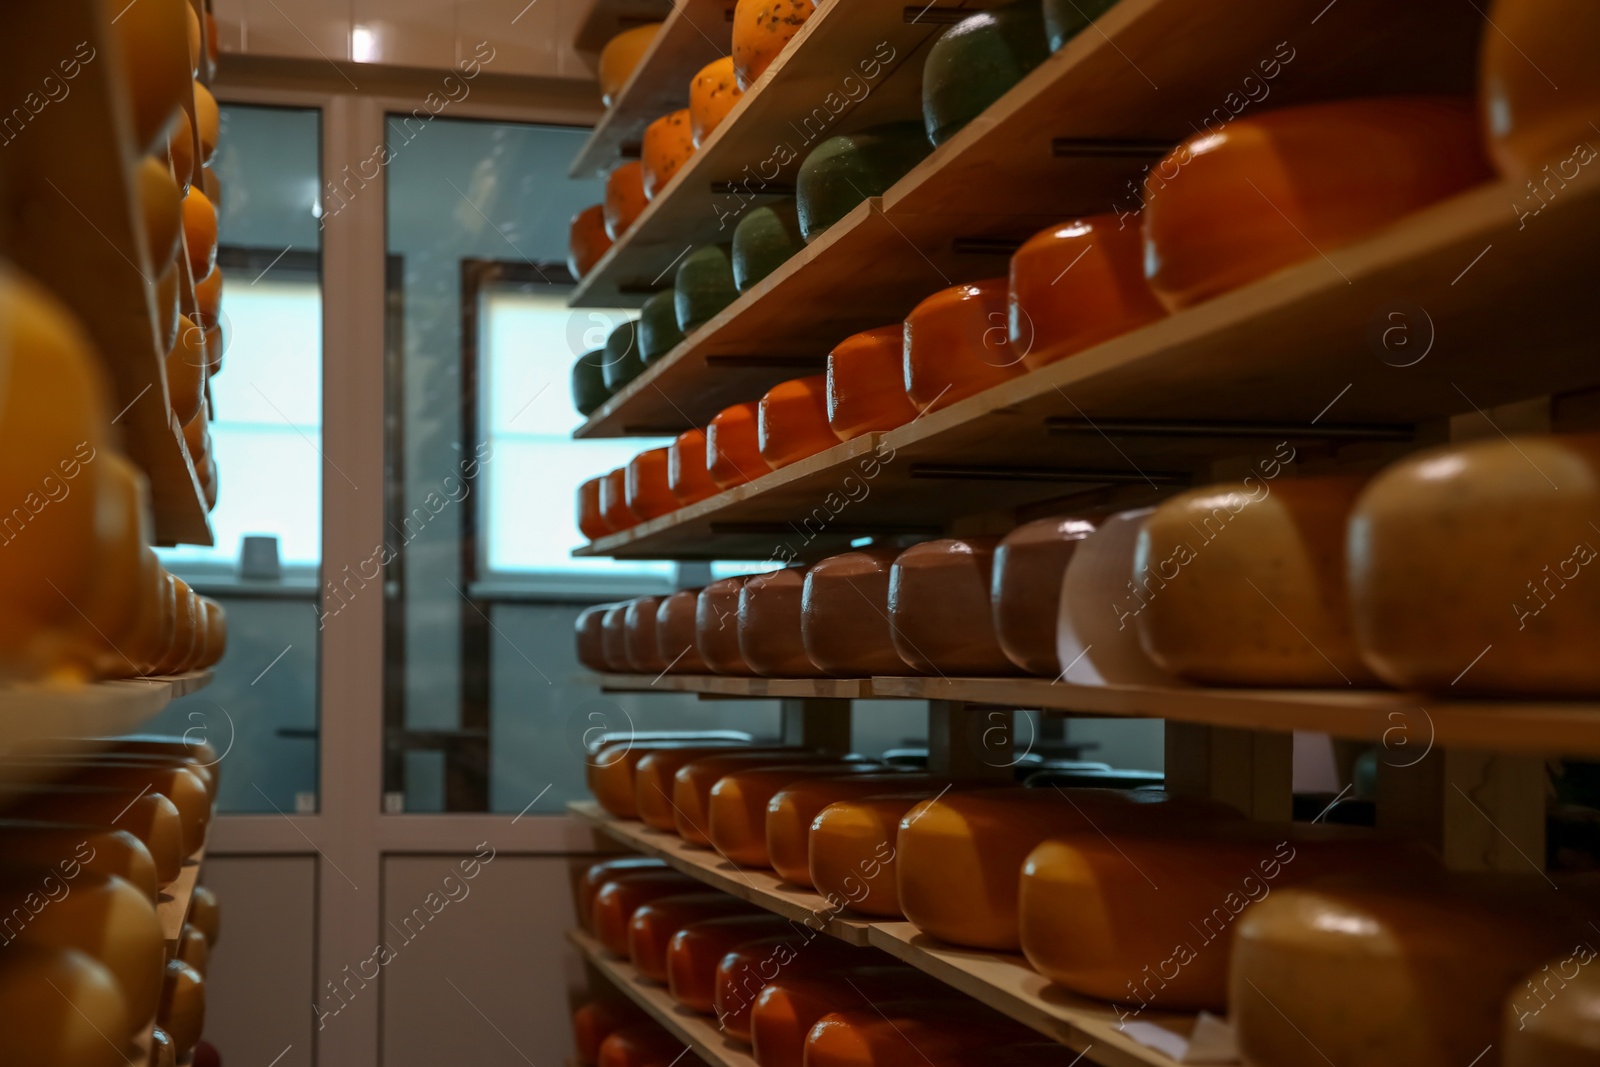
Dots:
pixel 699 1032
pixel 173 907
pixel 723 685
pixel 761 887
pixel 604 19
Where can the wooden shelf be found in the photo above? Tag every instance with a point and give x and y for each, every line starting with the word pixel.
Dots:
pixel 1526 726
pixel 69 217
pixel 722 685
pixel 699 1032
pixel 606 18
pixel 173 911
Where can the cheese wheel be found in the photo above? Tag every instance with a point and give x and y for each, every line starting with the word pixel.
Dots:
pixel 867 383
pixel 654 925
pixel 591 521
pixel 957 345
pixel 655 777
pixel 1267 191
pixel 769 625
pixel 792 421
pixel 207 122
pixel 791 1004
pixel 624 198
pixel 1065 19
pixel 161 209
pixel 907 1034
pixel 1026 1054
pixel 1387 972
pixel 200 231
pixel 959 857
pixel 101 850
pixel 1025 591
pixel 975 62
pixel 205 913
pixel 589 389
pixel 622 361
pixel 737 824
pixel 598 1020
pixel 646 1045
pixel 639 636
pixel 167 309
pixel 194 949
pixel 761 29
pixel 1540 92
pixel 1078 284
pixel 61 1007
pixel 82 765
pixel 1094 645
pixel 1244 584
pixel 712 93
pixel 746 969
pixel 147 815
pixel 668 144
pixel 108 615
pixel 186 370
pixel 597 874
pixel 675 625
pixel 733 446
pixel 623 893
pixel 1552 1018
pixel 841 172
pixel 183 1006
pixel 716 626
pixel 688 480
pixel 694 780
pixel 614 501
pixel 793 808
pixel 645 485
pixel 1422 621
pixel 587 240
pixel 180 785
pixel 695 951
pixel 1093 920
pixel 152 52
pixel 939 610
pixel 612 772
pixel 180 145
pixel 613 637
pixel 658 326
pixel 852 850
pixel 162 1054
pixel 620 57
pixel 844 615
pixel 208 296
pixel 765 239
pixel 703 286
pixel 156 745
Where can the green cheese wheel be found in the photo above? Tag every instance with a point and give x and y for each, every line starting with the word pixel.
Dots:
pixel 621 357
pixel 843 171
pixel 589 382
pixel 975 62
pixel 1065 19
pixel 764 238
pixel 658 326
pixel 704 286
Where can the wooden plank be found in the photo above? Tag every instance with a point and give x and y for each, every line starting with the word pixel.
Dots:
pixel 173 907
pixel 699 1032
pixel 760 887
pixel 728 685
pixel 1007 984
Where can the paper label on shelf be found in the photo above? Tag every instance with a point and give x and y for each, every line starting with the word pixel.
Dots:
pixel 1211 1041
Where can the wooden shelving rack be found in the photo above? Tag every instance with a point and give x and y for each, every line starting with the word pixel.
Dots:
pixel 173 911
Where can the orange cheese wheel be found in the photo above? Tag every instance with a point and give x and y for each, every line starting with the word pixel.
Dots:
pixel 712 94
pixel 591 637
pixel 1386 972
pixel 687 478
pixel 639 636
pixel 200 232
pixel 716 626
pixel 646 1045
pixel 1076 285
pixel 793 809
pixel 655 777
pixel 180 144
pixel 1025 590
pixel 156 745
pixel 614 501
pixel 867 383
pixel 1540 92
pixel 590 520
pixel 959 857
pixel 183 1006
pixel 108 616
pixel 695 951
pixel 761 28
pixel 180 785
pixel 597 874
pixel 693 782
pixel 1244 584
pixel 162 1054
pixel 620 57
pixel 80 1021
pixel 733 446
pixel 186 370
pixel 598 1020
pixel 623 893
pixel 624 199
pixel 645 485
pixel 613 637
pixel 152 46
pixel 957 345
pixel 208 296
pixel 746 969
pixel 1266 192
pixel 150 817
pixel 1552 1017
pixel 587 240
pixel 769 625
pixel 906 1034
pixel 101 850
pixel 792 421
pixel 738 820
pixel 852 850
pixel 668 144
pixel 791 1004
pixel 675 633
pixel 194 949
pixel 208 121
pixel 939 608
pixel 82 766
pixel 161 207
pixel 844 615
pixel 654 925
pixel 167 307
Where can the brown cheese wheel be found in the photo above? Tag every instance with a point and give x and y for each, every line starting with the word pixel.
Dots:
pixel 150 817
pixel 58 1007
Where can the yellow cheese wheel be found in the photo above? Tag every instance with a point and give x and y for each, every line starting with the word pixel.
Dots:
pixel 60 1007
pixel 167 308
pixel 1541 90
pixel 656 776
pixel 761 29
pixel 668 145
pixel 793 809
pixel 183 1006
pixel 186 370
pixel 1522 615
pixel 737 824
pixel 654 925
pixel 162 207
pixel 1244 584
pixel 194 949
pixel 1401 972
pixel 205 914
pixel 852 850
pixel 712 94
pixel 100 850
pixel 185 747
pixel 109 614
pixel 153 57
pixel 1552 1017
pixel 180 145
pixel 183 787
pixel 200 232
pixel 621 56
pixel 208 121
pixel 162 1054
pixel 693 782
pixel 150 817
pixel 612 771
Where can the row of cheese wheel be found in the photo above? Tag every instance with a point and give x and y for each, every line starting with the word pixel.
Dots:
pixel 82 864
pixel 1366 947
pixel 85 595
pixel 611 1032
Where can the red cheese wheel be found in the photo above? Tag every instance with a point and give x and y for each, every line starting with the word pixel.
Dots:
pixel 645 485
pixel 939 607
pixel 688 480
pixel 625 892
pixel 675 633
pixel 590 521
pixel 695 951
pixel 957 344
pixel 1025 591
pixel 614 501
pixel 746 969
pixel 733 446
pixel 844 615
pixel 770 639
pixel 654 925
pixel 625 198
pixel 639 636
pixel 792 421
pixel 716 626
pixel 587 240
pixel 791 1004
pixel 597 874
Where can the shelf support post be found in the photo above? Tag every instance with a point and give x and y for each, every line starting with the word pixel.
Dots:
pixel 817 723
pixel 971 742
pixel 1253 770
pixel 1483 811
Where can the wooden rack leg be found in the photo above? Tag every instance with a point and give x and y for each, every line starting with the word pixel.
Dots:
pixel 1251 769
pixel 1484 812
pixel 970 741
pixel 817 723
